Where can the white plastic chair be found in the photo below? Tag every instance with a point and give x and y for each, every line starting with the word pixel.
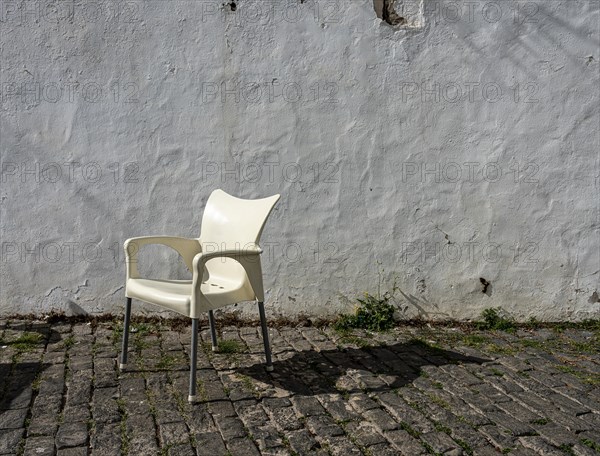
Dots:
pixel 225 266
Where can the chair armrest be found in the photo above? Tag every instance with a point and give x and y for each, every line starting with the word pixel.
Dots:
pixel 185 247
pixel 249 258
pixel 202 258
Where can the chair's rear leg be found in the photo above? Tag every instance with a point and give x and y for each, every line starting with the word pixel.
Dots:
pixel 213 331
pixel 265 334
pixel 193 361
pixel 123 363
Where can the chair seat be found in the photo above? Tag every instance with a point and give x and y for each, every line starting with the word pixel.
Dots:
pixel 176 295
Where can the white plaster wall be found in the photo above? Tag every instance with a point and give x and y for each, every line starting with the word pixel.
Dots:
pixel 462 148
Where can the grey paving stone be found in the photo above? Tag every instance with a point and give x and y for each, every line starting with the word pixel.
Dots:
pixel 210 443
pixel 106 440
pixel 516 427
pixel 77 413
pixel 42 425
pixel 582 450
pixel 302 442
pixel 242 447
pixel 340 446
pixel 339 408
pixel 12 419
pixel 440 442
pixel 185 449
pixel 323 426
pixel 307 406
pixel 383 449
pixel 382 420
pixel 71 435
pixel 39 446
pixel 173 433
pixel 266 437
pixel 285 418
pixel 16 398
pixel 143 444
pixel 540 445
pixel 79 451
pixel 9 440
pixel 557 435
pixel 230 427
pixel 364 434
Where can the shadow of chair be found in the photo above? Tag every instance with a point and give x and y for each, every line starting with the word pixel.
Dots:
pixel 375 369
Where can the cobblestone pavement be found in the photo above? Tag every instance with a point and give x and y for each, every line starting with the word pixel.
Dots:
pixel 411 391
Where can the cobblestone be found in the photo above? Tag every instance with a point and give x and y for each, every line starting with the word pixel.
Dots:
pixel 410 391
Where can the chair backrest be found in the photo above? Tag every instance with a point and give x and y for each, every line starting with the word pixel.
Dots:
pixel 229 222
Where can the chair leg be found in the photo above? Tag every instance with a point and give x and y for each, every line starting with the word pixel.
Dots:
pixel 123 363
pixel 265 334
pixel 193 361
pixel 213 331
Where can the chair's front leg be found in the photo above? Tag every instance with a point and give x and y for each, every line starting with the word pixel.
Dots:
pixel 213 331
pixel 123 363
pixel 193 361
pixel 265 334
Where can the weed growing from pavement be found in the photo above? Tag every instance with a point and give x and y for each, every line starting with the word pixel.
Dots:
pixel 25 342
pixel 494 320
pixel 540 421
pixel 374 313
pixel 591 444
pixel 225 347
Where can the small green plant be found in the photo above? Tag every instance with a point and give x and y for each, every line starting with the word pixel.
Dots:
pixel 166 361
pixel 407 427
pixel 374 313
pixel 532 343
pixel 540 421
pixel 591 444
pixel 441 402
pixel 465 446
pixel 69 341
pixel 246 381
pixel 27 341
pixel 441 428
pixel 567 449
pixel 361 342
pixel 225 347
pixel 492 319
pixel 123 426
pixel 497 372
pixel 474 340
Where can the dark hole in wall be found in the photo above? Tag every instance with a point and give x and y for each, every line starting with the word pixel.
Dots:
pixel 386 11
pixel 232 6
pixel 487 286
